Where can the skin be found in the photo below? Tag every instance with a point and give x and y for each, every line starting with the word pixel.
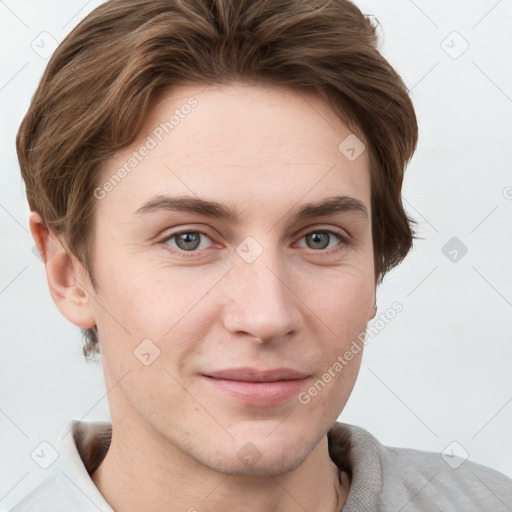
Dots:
pixel 264 151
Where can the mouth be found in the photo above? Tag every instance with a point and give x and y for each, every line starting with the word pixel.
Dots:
pixel 256 387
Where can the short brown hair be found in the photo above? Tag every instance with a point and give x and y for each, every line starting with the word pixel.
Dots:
pixel 98 85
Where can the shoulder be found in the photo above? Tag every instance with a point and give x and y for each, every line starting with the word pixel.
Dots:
pixel 449 482
pixel 44 497
pixel 69 486
pixel 391 478
pixel 61 492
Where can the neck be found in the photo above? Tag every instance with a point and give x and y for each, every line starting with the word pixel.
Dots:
pixel 161 476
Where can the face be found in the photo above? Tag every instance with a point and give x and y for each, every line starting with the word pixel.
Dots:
pixel 186 293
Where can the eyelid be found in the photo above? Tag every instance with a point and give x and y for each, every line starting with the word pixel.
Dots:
pixel 173 234
pixel 343 235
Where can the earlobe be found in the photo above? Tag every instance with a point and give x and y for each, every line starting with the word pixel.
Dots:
pixel 374 310
pixel 71 296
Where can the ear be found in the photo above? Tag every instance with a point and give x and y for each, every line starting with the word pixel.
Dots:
pixel 65 275
pixel 374 309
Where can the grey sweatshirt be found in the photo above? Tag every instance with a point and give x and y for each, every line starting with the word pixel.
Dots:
pixel 383 479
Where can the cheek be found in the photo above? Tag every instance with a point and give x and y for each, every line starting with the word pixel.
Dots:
pixel 324 400
pixel 147 300
pixel 167 317
pixel 344 308
pixel 344 301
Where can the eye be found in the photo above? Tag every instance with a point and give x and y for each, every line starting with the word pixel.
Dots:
pixel 187 241
pixel 192 241
pixel 321 239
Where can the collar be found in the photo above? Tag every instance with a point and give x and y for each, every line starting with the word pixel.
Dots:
pixel 83 445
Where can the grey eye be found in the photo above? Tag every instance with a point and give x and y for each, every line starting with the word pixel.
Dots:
pixel 187 241
pixel 320 239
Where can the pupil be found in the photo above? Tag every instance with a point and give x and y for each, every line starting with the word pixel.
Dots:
pixel 187 241
pixel 317 237
pixel 190 240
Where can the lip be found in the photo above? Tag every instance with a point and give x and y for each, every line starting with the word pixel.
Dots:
pixel 256 387
pixel 248 374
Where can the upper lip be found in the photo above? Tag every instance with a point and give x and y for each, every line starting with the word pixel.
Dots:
pixel 253 375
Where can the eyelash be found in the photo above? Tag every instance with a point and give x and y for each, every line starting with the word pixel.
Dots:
pixel 188 254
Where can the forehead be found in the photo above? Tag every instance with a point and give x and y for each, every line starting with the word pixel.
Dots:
pixel 248 143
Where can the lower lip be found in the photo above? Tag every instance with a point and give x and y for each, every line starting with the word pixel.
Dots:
pixel 259 393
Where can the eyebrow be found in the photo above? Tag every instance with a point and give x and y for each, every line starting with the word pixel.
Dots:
pixel 328 206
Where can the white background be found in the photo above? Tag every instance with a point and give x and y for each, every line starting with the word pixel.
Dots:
pixel 440 371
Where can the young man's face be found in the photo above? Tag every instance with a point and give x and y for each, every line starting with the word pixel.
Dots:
pixel 267 291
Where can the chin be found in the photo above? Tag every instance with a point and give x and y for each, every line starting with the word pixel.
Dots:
pixel 264 462
pixel 263 447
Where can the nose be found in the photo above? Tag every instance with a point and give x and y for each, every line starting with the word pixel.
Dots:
pixel 260 298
